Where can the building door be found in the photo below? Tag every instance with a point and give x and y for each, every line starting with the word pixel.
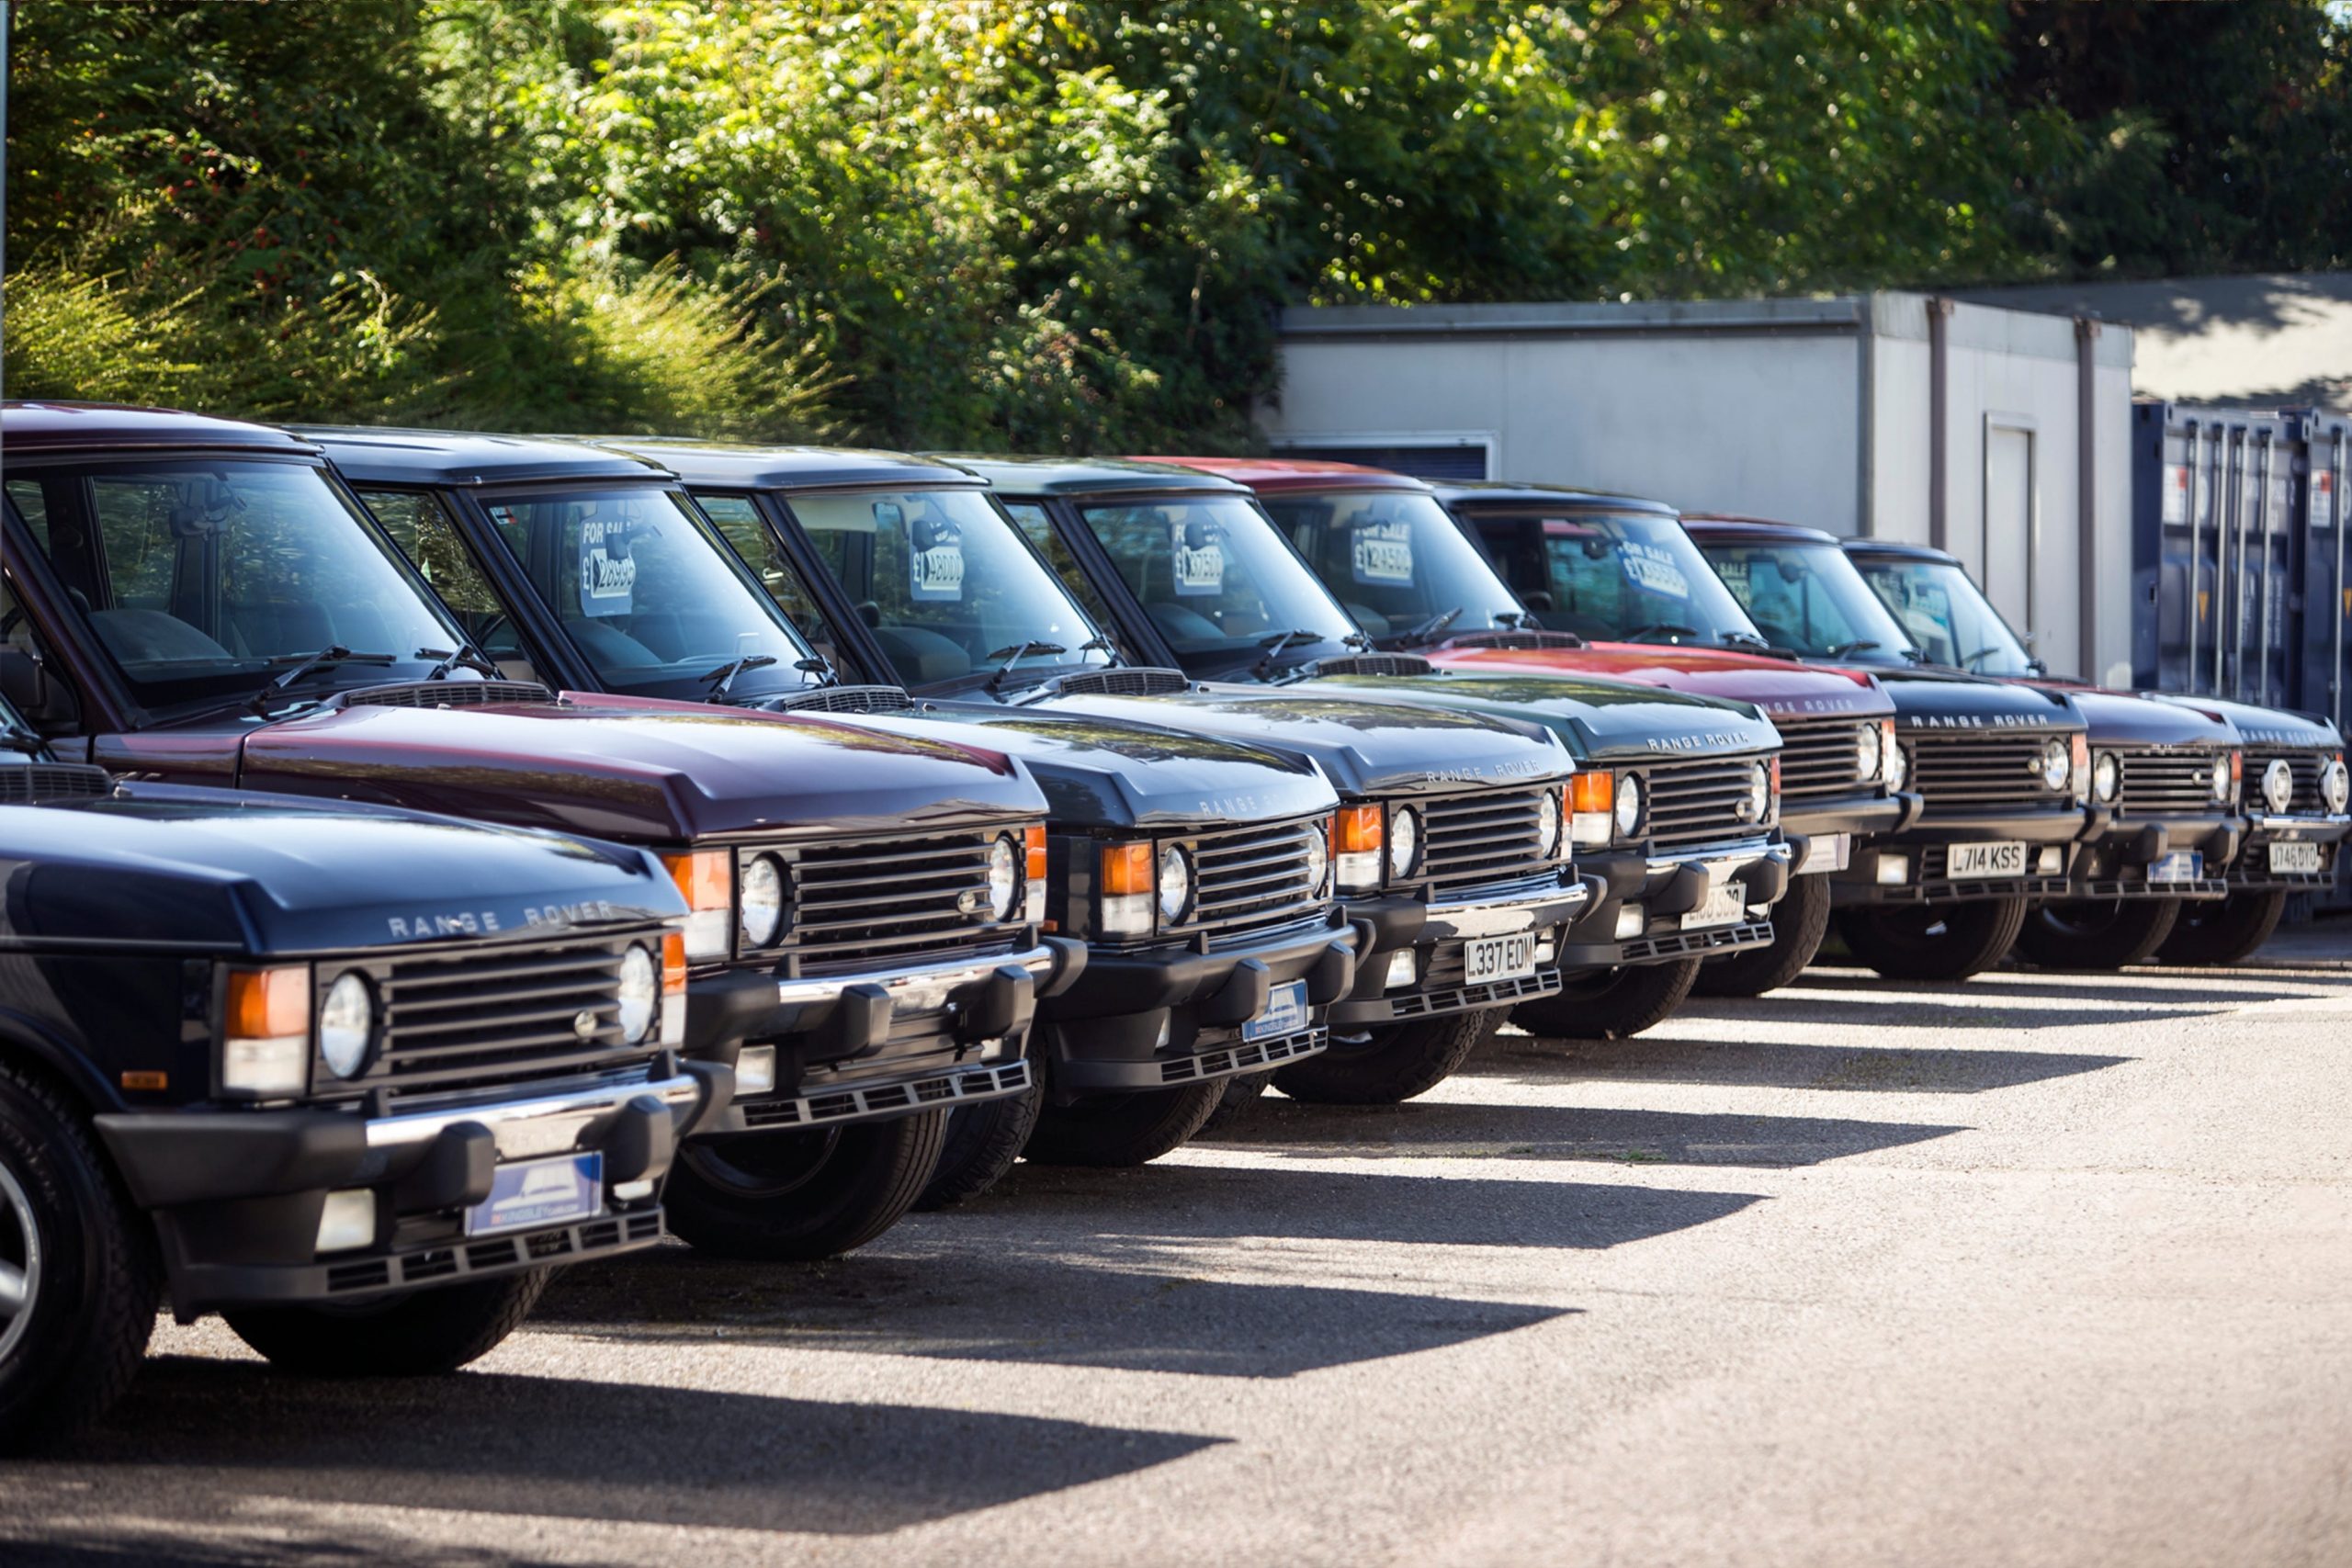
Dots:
pixel 2011 550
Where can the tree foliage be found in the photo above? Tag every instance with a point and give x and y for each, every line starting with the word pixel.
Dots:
pixel 1067 224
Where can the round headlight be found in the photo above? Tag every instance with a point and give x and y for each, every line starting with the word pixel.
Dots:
pixel 1866 752
pixel 1758 802
pixel 1404 842
pixel 1318 860
pixel 1898 766
pixel 347 1024
pixel 2279 785
pixel 2222 778
pixel 1547 825
pixel 640 990
pixel 2057 760
pixel 1629 805
pixel 2335 785
pixel 2106 778
pixel 1004 878
pixel 1175 884
pixel 761 896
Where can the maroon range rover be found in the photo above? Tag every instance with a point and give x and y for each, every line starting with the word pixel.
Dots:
pixel 198 601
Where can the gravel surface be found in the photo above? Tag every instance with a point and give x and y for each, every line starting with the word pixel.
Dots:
pixel 2043 1269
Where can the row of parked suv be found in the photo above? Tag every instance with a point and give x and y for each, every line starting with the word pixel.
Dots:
pixel 431 859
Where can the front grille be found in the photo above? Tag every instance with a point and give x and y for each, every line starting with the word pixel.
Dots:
pixel 2166 781
pixel 1471 841
pixel 1518 641
pixel 483 1018
pixel 1697 803
pixel 889 902
pixel 1253 878
pixel 1954 769
pixel 2306 801
pixel 841 699
pixel 447 694
pixel 1818 758
pixel 1125 683
pixel 23 782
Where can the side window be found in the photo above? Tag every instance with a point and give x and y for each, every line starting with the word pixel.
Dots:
pixel 421 529
pixel 136 520
pixel 1039 530
pixel 32 505
pixel 1586 591
pixel 739 521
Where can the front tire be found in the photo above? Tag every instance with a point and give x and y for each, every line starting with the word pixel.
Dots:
pixel 1932 942
pixel 80 1272
pixel 1798 922
pixel 982 1142
pixel 2096 933
pixel 415 1333
pixel 1117 1130
pixel 1242 1090
pixel 2215 932
pixel 1613 1004
pixel 800 1197
pixel 1401 1061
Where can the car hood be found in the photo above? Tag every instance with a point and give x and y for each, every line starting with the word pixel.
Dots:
pixel 235 871
pixel 1961 702
pixel 1364 748
pixel 1101 773
pixel 1782 689
pixel 1604 722
pixel 2120 718
pixel 2266 727
pixel 641 771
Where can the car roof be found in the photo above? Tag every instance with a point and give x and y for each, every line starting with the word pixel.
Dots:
pixel 1896 547
pixel 1715 525
pixel 1495 492
pixel 377 455
pixel 744 466
pixel 37 427
pixel 1079 476
pixel 1297 473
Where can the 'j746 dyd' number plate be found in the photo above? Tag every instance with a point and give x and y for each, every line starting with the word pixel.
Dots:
pixel 2294 857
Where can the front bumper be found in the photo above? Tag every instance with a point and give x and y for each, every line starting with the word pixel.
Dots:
pixel 1912 865
pixel 2251 871
pixel 237 1195
pixel 2117 852
pixel 1152 1017
pixel 1437 931
pixel 1660 890
pixel 890 1043
pixel 1859 814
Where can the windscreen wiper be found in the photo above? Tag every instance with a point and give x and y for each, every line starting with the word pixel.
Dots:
pixel 1013 654
pixel 1429 631
pixel 725 675
pixel 14 737
pixel 1860 645
pixel 464 658
pixel 1735 637
pixel 1667 629
pixel 310 663
pixel 1274 646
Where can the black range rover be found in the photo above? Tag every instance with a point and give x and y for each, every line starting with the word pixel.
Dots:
pixel 356 1078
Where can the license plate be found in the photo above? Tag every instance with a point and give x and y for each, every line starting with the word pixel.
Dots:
pixel 2181 865
pixel 1498 957
pixel 2294 857
pixel 1725 904
pixel 539 1193
pixel 1826 851
pixel 1984 859
pixel 1285 1013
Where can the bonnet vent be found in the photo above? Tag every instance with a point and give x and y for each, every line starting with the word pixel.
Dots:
pixel 841 699
pixel 1123 683
pixel 1521 640
pixel 448 694
pixel 1374 664
pixel 52 781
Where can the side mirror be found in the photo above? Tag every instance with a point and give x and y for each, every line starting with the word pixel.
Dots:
pixel 1539 600
pixel 48 703
pixel 1792 569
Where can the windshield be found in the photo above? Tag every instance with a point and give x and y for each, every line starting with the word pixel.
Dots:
pixel 650 597
pixel 204 583
pixel 1219 584
pixel 1398 562
pixel 1617 577
pixel 1809 598
pixel 1950 621
pixel 951 590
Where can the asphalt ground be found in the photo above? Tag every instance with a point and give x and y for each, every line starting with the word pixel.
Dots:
pixel 2045 1269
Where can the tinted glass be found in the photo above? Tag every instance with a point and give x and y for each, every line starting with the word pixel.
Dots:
pixel 949 587
pixel 746 532
pixel 1218 581
pixel 1946 616
pixel 648 594
pixel 1808 597
pixel 1620 576
pixel 1396 560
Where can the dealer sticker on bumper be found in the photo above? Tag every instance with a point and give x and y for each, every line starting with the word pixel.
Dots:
pixel 536 1192
pixel 2181 865
pixel 1285 1012
pixel 1498 957
pixel 2294 857
pixel 1984 859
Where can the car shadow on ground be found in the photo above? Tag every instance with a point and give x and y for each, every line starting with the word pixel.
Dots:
pixel 1436 1129
pixel 990 1304
pixel 1909 1006
pixel 531 1446
pixel 1867 1069
pixel 2139 987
